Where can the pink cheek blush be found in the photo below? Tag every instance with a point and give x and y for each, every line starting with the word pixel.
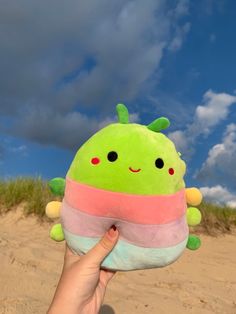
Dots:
pixel 171 171
pixel 95 161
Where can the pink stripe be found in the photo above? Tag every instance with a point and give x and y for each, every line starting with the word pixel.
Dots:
pixel 152 236
pixel 146 209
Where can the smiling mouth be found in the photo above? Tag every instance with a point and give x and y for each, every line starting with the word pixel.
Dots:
pixel 133 170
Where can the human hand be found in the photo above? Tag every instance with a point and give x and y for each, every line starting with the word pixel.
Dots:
pixel 82 284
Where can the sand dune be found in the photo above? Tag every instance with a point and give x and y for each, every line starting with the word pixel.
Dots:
pixel 203 281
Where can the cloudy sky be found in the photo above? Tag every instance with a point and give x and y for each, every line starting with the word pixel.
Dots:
pixel 64 65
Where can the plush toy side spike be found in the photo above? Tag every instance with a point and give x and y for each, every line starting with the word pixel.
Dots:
pixel 159 124
pixel 123 114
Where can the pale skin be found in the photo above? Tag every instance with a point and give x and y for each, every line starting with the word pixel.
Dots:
pixel 82 285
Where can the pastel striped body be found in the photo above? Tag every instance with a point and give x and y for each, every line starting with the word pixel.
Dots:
pixel 153 229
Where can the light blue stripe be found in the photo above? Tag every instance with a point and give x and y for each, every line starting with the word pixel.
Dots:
pixel 126 256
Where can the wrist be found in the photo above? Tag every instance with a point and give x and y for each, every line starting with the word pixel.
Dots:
pixel 62 304
pixel 61 308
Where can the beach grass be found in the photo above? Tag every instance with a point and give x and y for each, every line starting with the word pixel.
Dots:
pixel 216 218
pixel 34 194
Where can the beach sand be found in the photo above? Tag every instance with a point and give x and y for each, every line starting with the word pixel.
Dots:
pixel 202 281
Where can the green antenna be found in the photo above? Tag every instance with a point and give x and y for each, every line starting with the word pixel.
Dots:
pixel 159 124
pixel 123 114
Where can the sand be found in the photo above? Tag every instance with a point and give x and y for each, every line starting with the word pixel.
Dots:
pixel 202 281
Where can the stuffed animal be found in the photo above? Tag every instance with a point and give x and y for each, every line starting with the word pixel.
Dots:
pixel 131 176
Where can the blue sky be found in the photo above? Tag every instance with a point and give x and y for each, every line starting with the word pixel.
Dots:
pixel 64 65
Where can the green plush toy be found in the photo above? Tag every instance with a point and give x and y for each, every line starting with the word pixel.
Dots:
pixel 131 176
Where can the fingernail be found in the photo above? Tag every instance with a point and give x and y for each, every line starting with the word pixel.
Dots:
pixel 112 231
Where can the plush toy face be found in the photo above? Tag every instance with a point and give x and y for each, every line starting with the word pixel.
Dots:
pixel 129 158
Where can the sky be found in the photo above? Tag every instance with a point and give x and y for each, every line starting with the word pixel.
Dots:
pixel 64 65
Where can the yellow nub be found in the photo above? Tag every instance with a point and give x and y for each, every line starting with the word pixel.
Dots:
pixel 193 196
pixel 53 209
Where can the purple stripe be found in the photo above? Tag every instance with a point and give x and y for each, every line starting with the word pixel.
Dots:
pixel 152 236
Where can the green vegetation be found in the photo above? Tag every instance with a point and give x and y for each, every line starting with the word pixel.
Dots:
pixel 34 194
pixel 216 218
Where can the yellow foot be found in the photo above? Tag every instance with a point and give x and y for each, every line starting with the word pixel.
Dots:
pixel 53 209
pixel 193 196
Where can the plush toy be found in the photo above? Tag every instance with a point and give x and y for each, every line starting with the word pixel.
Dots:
pixel 131 176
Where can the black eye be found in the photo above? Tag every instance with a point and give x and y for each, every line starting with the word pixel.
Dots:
pixel 112 156
pixel 159 163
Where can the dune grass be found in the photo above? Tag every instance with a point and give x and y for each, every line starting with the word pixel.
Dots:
pixel 216 218
pixel 34 194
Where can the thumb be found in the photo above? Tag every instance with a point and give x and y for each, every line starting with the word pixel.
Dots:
pixel 104 246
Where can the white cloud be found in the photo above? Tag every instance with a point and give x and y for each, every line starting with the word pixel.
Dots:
pixel 178 137
pixel 219 195
pixel 220 163
pixel 214 109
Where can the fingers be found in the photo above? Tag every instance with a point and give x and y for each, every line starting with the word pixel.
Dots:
pixel 104 246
